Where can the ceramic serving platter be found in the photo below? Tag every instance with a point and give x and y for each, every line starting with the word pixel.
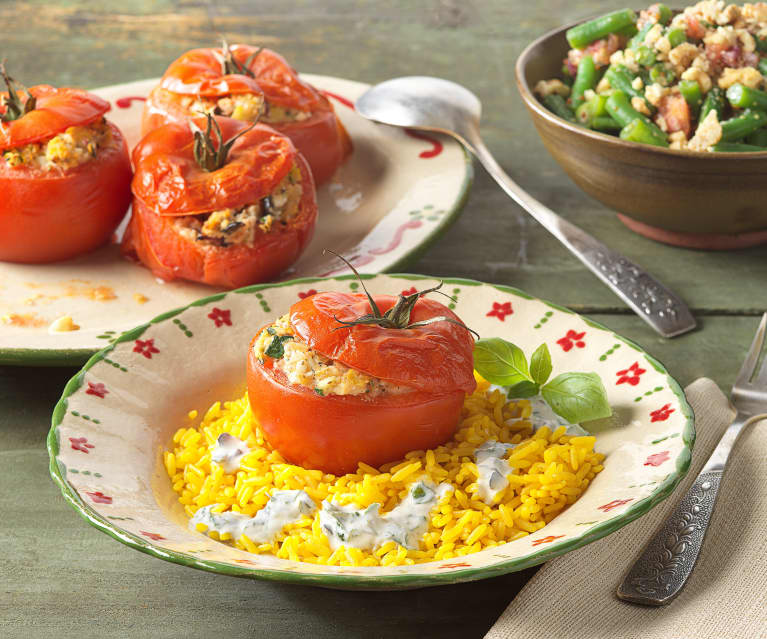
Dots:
pixel 119 413
pixel 392 198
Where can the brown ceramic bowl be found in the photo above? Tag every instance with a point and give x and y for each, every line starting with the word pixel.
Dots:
pixel 685 198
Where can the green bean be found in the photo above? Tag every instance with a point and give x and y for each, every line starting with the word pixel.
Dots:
pixel 627 32
pixel 645 56
pixel 557 105
pixel 664 13
pixel 758 138
pixel 737 128
pixel 691 92
pixel 619 107
pixel 640 131
pixel 585 79
pixel 714 101
pixel 591 109
pixel 741 96
pixel 662 75
pixel 584 34
pixel 676 37
pixel 737 147
pixel 762 66
pixel 604 123
pixel 620 78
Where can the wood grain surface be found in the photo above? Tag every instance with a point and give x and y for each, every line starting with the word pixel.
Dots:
pixel 61 577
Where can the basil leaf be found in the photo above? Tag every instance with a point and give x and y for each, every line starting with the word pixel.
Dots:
pixel 277 349
pixel 577 397
pixel 522 390
pixel 500 362
pixel 540 364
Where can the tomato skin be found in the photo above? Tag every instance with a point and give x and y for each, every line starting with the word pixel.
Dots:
pixel 55 111
pixel 435 358
pixel 321 138
pixel 676 111
pixel 46 216
pixel 335 432
pixel 152 238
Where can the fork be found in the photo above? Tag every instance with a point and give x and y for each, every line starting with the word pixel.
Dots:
pixel 667 561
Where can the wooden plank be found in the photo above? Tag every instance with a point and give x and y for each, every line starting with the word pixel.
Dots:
pixel 62 576
pixel 84 43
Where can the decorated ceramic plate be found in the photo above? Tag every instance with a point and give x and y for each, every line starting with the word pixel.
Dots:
pixel 393 197
pixel 119 414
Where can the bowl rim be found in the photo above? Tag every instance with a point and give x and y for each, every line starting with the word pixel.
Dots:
pixel 535 105
pixel 366 582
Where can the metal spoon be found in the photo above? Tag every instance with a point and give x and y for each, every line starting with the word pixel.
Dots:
pixel 433 104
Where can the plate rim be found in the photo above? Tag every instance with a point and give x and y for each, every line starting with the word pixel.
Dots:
pixel 61 357
pixel 367 582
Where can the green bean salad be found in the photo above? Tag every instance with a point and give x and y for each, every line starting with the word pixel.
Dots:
pixel 694 80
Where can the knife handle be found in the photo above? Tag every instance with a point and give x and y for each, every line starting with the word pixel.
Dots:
pixel 668 560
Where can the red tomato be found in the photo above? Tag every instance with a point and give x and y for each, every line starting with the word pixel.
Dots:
pixel 56 214
pixel 321 138
pixel 695 30
pixel 169 183
pixel 676 112
pixel 335 432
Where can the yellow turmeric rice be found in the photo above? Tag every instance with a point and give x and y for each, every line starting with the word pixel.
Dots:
pixel 550 470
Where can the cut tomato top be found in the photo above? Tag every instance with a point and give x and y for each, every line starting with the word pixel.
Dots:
pixel 199 72
pixel 435 358
pixel 169 181
pixel 56 110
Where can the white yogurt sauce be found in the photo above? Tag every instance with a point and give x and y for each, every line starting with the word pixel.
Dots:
pixel 284 507
pixel 493 469
pixel 228 452
pixel 366 529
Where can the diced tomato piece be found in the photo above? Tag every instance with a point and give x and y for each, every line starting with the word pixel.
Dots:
pixel 676 112
pixel 695 30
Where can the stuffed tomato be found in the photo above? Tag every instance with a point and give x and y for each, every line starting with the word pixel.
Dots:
pixel 229 206
pixel 251 84
pixel 64 173
pixel 331 386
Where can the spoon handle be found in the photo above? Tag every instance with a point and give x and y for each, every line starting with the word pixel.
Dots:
pixel 654 303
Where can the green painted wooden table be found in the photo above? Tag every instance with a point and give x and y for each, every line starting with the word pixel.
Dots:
pixel 59 576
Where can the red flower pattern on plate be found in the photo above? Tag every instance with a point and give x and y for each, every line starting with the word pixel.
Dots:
pixel 572 339
pixel 221 316
pixel 99 497
pixel 81 444
pixel 461 565
pixel 151 535
pixel 546 540
pixel 658 458
pixel 662 414
pixel 614 504
pixel 246 561
pixel 145 347
pixel 630 375
pixel 304 294
pixel 409 291
pixel 500 310
pixel 99 390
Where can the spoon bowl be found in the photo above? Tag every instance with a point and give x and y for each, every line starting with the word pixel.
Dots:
pixel 422 102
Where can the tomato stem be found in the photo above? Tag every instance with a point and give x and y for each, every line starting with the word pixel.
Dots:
pixel 398 316
pixel 211 154
pixel 15 107
pixel 231 66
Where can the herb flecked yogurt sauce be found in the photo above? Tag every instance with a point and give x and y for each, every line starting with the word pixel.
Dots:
pixel 228 452
pixel 490 456
pixel 366 529
pixel 284 507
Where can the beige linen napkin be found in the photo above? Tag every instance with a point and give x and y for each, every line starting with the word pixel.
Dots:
pixel 726 596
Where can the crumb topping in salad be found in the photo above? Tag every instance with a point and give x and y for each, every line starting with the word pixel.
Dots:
pixel 67 150
pixel 240 226
pixel 306 367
